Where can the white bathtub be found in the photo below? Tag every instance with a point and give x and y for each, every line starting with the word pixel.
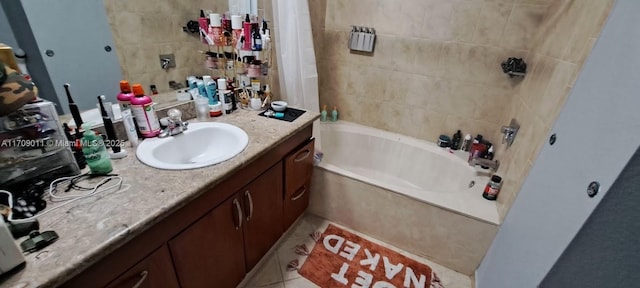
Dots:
pixel 406 192
pixel 405 165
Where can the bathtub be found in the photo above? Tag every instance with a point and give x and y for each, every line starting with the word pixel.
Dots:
pixel 404 191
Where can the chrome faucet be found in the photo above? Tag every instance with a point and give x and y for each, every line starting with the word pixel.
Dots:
pixel 510 132
pixel 175 124
pixel 492 164
pixel 164 63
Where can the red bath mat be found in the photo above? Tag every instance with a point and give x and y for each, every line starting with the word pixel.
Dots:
pixel 342 259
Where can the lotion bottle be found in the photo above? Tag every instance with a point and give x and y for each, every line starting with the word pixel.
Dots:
pixel 145 115
pixel 334 114
pixel 323 114
pixel 95 152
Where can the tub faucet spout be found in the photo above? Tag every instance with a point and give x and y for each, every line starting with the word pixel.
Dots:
pixel 492 164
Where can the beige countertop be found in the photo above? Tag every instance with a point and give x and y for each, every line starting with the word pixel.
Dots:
pixel 93 227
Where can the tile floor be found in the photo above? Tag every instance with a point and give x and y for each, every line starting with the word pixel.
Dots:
pixel 272 271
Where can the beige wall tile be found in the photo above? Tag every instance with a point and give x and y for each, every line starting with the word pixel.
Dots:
pixel 492 22
pixel 549 104
pixel 427 57
pixel 436 23
pixel 588 11
pixel 522 25
pixel 466 62
pixel 464 19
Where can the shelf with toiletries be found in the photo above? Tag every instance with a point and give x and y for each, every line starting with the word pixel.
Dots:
pixel 238 49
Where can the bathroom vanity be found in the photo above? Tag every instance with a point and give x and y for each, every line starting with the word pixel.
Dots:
pixel 190 228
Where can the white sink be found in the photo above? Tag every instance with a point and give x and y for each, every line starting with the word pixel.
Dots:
pixel 202 144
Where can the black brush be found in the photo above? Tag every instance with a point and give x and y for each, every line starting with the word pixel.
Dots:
pixel 75 112
pixel 108 127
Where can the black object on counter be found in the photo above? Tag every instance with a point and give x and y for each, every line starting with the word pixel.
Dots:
pixel 73 107
pixel 108 127
pixel 290 114
pixel 456 140
pixel 38 240
pixel 19 230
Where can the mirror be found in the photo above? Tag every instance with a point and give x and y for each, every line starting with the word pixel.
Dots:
pixel 102 42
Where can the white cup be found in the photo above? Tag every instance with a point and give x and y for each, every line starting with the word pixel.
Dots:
pixel 255 103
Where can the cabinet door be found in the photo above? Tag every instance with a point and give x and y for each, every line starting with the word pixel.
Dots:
pixel 295 204
pixel 154 271
pixel 263 214
pixel 298 167
pixel 210 252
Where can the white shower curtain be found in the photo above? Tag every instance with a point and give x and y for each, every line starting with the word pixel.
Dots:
pixel 295 53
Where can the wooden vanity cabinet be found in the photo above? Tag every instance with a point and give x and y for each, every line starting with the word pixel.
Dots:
pixel 206 254
pixel 298 167
pixel 263 214
pixel 217 238
pixel 220 248
pixel 155 270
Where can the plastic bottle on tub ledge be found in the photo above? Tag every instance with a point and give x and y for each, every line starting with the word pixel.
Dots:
pixel 334 114
pixel 492 189
pixel 323 114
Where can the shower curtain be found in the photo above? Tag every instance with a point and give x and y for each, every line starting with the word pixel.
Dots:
pixel 296 56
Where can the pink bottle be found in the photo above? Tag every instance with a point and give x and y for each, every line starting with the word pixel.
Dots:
pixel 215 29
pixel 125 95
pixel 142 109
pixel 247 34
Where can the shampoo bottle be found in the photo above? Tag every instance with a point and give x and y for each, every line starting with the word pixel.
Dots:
pixel 95 152
pixel 334 114
pixel 323 114
pixel 142 108
pixel 246 30
pixel 210 88
pixel 125 95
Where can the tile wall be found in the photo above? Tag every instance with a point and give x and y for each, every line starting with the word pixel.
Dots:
pixel 560 48
pixel 436 67
pixel 144 29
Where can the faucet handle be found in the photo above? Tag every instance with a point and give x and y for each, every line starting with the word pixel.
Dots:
pixel 174 114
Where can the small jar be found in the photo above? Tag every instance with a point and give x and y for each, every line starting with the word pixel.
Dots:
pixel 492 189
pixel 254 69
pixel 444 141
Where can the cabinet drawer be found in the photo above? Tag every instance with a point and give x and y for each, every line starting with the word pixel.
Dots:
pixel 154 271
pixel 296 203
pixel 298 166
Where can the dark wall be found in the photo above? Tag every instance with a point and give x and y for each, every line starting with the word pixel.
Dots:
pixel 606 251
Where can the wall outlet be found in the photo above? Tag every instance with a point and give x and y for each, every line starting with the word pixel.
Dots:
pixel 167 61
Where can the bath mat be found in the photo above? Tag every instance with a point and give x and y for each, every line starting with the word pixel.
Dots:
pixel 342 259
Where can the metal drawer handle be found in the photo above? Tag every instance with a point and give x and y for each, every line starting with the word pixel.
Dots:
pixel 294 198
pixel 143 276
pixel 248 195
pixel 239 210
pixel 298 159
